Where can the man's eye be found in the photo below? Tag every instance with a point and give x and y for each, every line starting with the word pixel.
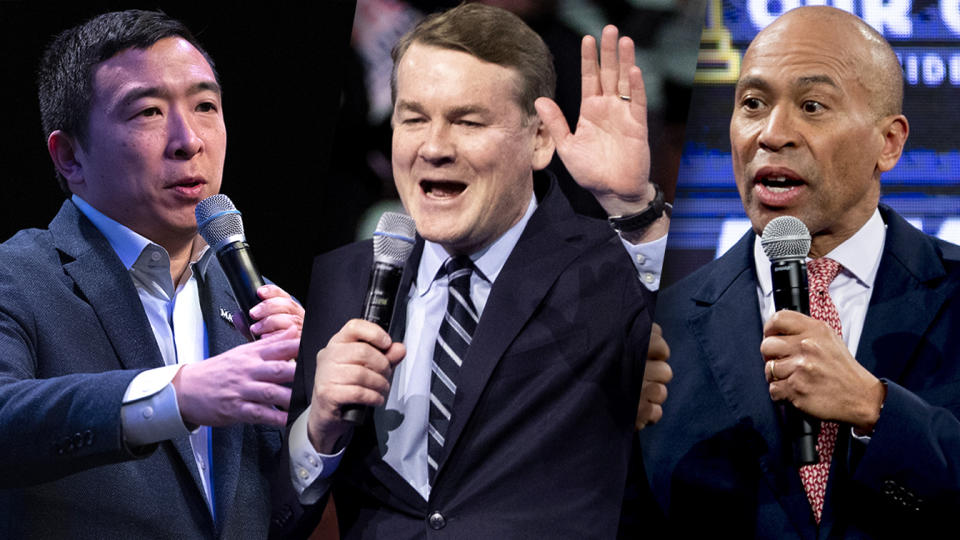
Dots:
pixel 751 103
pixel 812 107
pixel 152 111
pixel 207 106
pixel 469 123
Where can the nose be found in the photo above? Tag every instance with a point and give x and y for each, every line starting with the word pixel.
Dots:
pixel 183 140
pixel 778 131
pixel 438 148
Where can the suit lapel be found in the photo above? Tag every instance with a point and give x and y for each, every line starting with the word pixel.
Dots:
pixel 216 298
pixel 901 293
pixel 106 285
pixel 729 297
pixel 547 245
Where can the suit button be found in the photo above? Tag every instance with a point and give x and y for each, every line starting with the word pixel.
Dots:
pixel 437 521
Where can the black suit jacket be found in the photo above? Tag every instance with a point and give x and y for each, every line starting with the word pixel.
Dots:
pixel 718 459
pixel 73 334
pixel 542 421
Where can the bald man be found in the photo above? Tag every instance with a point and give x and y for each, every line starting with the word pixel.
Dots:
pixel 816 121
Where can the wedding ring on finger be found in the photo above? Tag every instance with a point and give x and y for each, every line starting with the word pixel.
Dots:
pixel 773 375
pixel 623 97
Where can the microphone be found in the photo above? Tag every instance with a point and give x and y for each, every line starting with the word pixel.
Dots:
pixel 392 244
pixel 786 241
pixel 220 225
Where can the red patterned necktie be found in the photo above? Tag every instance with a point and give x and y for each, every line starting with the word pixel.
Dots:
pixel 820 273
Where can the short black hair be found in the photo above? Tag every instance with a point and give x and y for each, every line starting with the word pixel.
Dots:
pixel 65 75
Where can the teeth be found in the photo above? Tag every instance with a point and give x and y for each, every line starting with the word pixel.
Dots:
pixel 779 189
pixel 778 179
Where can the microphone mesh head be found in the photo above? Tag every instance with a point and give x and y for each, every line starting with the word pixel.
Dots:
pixel 393 239
pixel 219 221
pixel 785 237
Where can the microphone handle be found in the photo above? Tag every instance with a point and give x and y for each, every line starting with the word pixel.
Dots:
pixel 377 308
pixel 790 292
pixel 237 262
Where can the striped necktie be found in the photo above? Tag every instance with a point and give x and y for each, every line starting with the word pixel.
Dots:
pixel 453 340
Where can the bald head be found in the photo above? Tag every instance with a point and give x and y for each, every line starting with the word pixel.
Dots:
pixel 865 51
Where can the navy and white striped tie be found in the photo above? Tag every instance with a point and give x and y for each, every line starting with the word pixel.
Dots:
pixel 453 340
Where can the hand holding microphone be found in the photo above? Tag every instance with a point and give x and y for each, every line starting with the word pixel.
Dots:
pixel 808 364
pixel 355 368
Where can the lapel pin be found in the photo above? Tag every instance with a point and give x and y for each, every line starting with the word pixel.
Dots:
pixel 226 315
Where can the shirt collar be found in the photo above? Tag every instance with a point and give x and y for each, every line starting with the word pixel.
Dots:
pixel 128 244
pixel 859 255
pixel 488 261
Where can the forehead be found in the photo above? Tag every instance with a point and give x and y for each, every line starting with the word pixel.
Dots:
pixel 170 63
pixel 447 77
pixel 802 55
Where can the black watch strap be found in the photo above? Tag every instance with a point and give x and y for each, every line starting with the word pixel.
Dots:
pixel 642 220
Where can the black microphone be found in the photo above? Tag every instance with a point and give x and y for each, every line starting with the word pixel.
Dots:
pixel 220 225
pixel 786 241
pixel 392 244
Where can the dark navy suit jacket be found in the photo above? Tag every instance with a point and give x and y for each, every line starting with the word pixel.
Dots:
pixel 73 334
pixel 718 460
pixel 540 436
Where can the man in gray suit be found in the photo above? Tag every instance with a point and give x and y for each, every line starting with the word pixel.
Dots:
pixel 130 405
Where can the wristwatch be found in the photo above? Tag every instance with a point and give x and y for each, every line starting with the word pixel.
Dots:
pixel 643 219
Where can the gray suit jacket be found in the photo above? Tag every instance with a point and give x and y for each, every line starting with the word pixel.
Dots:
pixel 73 334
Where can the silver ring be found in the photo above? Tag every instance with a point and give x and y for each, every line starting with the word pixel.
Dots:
pixel 623 97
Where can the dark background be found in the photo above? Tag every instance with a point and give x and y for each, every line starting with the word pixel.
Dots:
pixel 281 69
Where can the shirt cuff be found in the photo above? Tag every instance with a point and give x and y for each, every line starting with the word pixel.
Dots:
pixel 310 470
pixel 150 412
pixel 648 260
pixel 865 439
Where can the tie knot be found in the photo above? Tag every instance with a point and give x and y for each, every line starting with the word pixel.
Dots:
pixel 821 272
pixel 458 271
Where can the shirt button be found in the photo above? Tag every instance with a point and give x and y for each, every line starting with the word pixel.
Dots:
pixel 303 473
pixel 437 521
pixel 648 277
pixel 641 259
pixel 148 412
pixel 154 256
pixel 312 461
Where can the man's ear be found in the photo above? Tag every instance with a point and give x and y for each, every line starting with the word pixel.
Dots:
pixel 895 130
pixel 543 146
pixel 64 151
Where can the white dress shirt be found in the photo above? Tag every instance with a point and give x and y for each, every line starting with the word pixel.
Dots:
pixel 150 412
pixel 850 291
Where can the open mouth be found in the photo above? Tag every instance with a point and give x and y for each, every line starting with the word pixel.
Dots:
pixel 442 189
pixel 779 183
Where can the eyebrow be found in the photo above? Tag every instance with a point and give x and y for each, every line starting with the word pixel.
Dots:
pixel 163 92
pixel 455 112
pixel 803 82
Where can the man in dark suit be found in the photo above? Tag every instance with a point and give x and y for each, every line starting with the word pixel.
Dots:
pixel 816 121
pixel 117 346
pixel 530 433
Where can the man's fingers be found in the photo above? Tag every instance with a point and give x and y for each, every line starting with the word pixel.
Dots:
pixel 276 323
pixel 609 69
pixel 279 346
pixel 589 69
pixel 274 371
pixel 361 330
pixel 254 413
pixel 638 94
pixel 626 60
pixel 657 371
pixel 786 322
pixel 272 291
